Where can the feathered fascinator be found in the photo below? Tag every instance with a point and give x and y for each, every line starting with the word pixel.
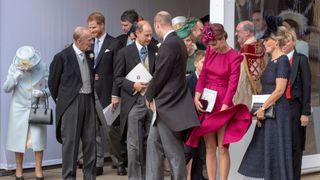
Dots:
pixel 208 34
pixel 300 19
pixel 272 22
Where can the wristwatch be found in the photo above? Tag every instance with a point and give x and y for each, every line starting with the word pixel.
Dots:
pixel 263 108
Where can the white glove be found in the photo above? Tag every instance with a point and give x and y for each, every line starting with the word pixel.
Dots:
pixel 17 75
pixel 37 93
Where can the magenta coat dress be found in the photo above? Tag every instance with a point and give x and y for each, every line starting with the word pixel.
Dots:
pixel 221 73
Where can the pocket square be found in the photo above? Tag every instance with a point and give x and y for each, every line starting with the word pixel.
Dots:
pixel 107 50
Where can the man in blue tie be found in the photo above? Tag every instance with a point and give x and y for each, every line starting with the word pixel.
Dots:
pixel 134 114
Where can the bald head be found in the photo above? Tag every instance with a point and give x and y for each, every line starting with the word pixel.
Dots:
pixel 162 23
pixel 244 31
pixel 82 38
pixel 144 33
pixel 163 18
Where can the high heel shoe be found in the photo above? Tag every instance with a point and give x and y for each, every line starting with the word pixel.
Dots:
pixel 40 178
pixel 20 178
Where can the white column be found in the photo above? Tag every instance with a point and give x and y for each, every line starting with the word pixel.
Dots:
pixel 222 11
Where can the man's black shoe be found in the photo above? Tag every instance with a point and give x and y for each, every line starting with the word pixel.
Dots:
pixel 99 171
pixel 121 171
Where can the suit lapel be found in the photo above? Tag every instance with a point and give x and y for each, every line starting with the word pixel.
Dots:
pixel 103 48
pixel 151 54
pixel 294 68
pixel 74 61
pixel 135 52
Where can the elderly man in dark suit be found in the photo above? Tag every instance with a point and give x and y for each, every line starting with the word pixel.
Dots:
pixel 134 113
pixel 71 86
pixel 169 93
pixel 298 94
pixel 105 49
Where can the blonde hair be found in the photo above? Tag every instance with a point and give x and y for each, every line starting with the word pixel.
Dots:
pixel 283 36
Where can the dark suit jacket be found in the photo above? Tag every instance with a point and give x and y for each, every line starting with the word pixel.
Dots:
pixel 127 59
pixel 65 82
pixel 192 80
pixel 123 39
pixel 168 86
pixel 300 81
pixel 104 87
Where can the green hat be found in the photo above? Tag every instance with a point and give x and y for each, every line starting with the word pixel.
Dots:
pixel 185 30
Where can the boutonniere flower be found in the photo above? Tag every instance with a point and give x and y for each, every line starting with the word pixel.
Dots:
pixel 107 50
pixel 91 55
pixel 156 54
pixel 159 44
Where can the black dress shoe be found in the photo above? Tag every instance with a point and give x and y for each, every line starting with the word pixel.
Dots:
pixel 99 171
pixel 20 178
pixel 40 178
pixel 121 171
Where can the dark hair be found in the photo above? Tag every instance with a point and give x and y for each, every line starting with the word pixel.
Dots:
pixel 96 16
pixel 205 19
pixel 130 15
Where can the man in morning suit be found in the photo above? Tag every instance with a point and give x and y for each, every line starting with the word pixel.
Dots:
pixel 298 94
pixel 127 19
pixel 134 113
pixel 71 86
pixel 173 103
pixel 105 49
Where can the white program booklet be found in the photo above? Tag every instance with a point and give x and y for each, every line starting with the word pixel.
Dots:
pixel 210 96
pixel 259 98
pixel 111 115
pixel 139 74
pixel 154 115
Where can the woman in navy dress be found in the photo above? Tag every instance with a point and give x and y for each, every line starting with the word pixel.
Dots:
pixel 269 155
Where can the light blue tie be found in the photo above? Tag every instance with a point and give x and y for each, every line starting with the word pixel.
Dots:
pixel 96 50
pixel 143 53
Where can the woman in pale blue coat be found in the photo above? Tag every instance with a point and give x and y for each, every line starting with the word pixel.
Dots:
pixel 27 80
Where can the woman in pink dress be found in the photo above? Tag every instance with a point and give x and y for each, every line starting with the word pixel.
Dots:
pixel 226 123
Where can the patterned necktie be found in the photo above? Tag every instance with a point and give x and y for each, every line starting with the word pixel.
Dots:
pixel 96 50
pixel 143 53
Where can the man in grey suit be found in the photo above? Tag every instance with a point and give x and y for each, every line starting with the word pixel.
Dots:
pixel 71 86
pixel 134 113
pixel 173 103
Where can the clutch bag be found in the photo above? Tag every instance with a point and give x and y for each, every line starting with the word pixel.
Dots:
pixel 268 113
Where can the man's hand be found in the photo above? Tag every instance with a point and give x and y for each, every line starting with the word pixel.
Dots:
pixel 304 120
pixel 150 105
pixel 96 77
pixel 139 86
pixel 115 102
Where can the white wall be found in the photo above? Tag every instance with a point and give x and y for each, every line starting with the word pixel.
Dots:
pixel 48 25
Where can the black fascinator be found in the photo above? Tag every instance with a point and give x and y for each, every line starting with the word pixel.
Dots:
pixel 272 23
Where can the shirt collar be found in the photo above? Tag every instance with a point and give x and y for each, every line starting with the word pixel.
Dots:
pixel 290 54
pixel 196 74
pixel 165 36
pixel 139 46
pixel 101 39
pixel 77 50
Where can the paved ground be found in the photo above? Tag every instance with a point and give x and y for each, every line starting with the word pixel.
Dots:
pixel 54 173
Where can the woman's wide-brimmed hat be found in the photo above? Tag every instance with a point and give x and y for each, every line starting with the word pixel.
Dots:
pixel 26 57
